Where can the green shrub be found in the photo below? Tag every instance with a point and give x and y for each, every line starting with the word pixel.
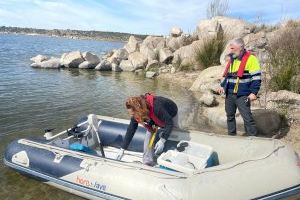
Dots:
pixel 209 53
pixel 284 59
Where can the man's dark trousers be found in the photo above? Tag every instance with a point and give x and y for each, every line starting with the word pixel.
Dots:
pixel 232 102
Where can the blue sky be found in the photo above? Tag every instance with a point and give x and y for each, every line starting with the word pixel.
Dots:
pixel 135 16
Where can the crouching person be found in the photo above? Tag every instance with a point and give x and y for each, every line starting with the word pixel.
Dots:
pixel 152 112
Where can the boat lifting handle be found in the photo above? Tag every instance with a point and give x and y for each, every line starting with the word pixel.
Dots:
pixel 58 157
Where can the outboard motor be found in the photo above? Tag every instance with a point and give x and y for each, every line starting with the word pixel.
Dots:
pixel 87 132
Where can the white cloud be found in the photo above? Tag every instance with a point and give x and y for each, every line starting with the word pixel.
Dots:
pixel 134 16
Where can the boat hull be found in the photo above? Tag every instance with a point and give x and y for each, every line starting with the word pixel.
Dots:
pixel 263 169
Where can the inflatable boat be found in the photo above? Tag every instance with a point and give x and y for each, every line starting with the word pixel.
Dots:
pixel 193 166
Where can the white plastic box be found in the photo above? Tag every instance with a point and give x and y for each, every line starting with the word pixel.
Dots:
pixel 194 157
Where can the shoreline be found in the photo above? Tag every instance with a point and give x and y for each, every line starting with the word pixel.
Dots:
pixel 66 37
pixel 173 58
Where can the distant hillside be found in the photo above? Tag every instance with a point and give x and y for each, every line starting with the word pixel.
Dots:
pixel 74 34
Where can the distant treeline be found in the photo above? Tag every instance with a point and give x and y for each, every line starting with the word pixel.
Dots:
pixel 76 34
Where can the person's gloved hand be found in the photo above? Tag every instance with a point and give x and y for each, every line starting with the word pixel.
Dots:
pixel 120 154
pixel 159 146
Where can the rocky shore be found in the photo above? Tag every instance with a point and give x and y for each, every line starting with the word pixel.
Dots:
pixel 173 58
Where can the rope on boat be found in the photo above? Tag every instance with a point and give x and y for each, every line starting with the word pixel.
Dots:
pixel 242 162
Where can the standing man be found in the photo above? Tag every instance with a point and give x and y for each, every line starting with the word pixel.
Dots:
pixel 241 83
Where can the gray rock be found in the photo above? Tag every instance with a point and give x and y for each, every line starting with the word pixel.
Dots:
pixel 268 122
pixel 165 55
pixel 173 70
pixel 255 41
pixel 208 79
pixel 152 65
pixel 35 65
pixel 176 32
pixel 86 65
pixel 107 55
pixel 151 74
pixel 231 26
pixel 132 45
pixel 154 42
pixel 208 99
pixel 284 96
pixel 174 43
pixel 149 53
pixel 72 59
pixel 138 60
pixel 114 60
pixel 126 65
pixel 120 54
pixel 187 52
pixel 115 67
pixel 104 65
pixel 52 63
pixel 39 58
pixel 92 59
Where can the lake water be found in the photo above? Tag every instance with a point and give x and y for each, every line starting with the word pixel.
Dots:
pixel 34 99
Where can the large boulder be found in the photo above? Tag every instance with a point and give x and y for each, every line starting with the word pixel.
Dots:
pixel 208 99
pixel 39 58
pixel 149 53
pixel 72 59
pixel 254 41
pixel 176 32
pixel 114 60
pixel 138 60
pixel 132 45
pixel 231 27
pixel 52 63
pixel 120 54
pixel 165 55
pixel 104 65
pixel 208 79
pixel 152 65
pixel 175 43
pixel 86 65
pixel 126 65
pixel 216 117
pixel 187 53
pixel 284 96
pixel 115 67
pixel 154 42
pixel 92 59
pixel 268 122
